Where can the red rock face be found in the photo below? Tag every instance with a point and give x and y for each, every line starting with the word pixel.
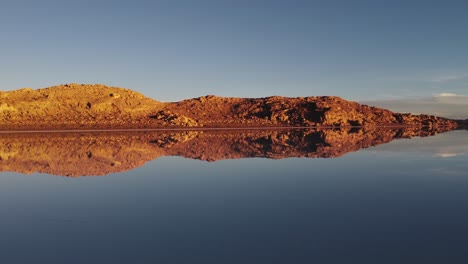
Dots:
pixel 93 154
pixel 324 111
pixel 75 106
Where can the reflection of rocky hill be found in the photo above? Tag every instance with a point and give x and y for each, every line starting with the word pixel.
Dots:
pixel 277 144
pixel 463 122
pixel 80 154
pixel 75 154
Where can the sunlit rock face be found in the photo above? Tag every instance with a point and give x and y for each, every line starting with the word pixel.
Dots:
pixel 79 106
pixel 102 153
pixel 320 111
pixel 73 106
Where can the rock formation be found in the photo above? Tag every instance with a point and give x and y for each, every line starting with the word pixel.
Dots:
pixel 73 106
pixel 102 153
pixel 320 111
pixel 77 106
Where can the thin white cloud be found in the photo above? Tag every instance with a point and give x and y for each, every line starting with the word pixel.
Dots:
pixel 451 99
pixel 445 95
pixel 434 78
pixel 447 155
pixel 445 104
pixel 447 77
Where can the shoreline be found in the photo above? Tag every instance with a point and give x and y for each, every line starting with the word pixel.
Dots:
pixel 103 130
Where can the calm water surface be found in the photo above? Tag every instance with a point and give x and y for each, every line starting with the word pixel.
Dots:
pixel 401 202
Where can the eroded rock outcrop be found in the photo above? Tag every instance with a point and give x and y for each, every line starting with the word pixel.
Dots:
pixel 86 154
pixel 325 111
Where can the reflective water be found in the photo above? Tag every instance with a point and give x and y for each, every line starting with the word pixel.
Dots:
pixel 279 196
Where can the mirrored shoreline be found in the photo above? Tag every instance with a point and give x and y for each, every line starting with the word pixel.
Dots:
pixel 76 154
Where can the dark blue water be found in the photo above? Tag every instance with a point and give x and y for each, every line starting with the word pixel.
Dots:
pixel 403 202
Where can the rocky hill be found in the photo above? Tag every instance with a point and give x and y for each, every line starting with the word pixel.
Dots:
pixel 78 106
pixel 321 111
pixel 102 153
pixel 73 106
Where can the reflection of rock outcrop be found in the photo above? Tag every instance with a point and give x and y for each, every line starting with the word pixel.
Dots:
pixel 276 144
pixel 75 154
pixel 80 154
pixel 463 123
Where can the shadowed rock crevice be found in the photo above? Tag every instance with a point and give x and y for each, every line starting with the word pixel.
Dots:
pixel 86 154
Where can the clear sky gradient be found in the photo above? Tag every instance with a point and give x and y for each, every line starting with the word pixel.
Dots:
pixel 172 50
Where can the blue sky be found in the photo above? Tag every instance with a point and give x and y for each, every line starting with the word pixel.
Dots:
pixel 171 50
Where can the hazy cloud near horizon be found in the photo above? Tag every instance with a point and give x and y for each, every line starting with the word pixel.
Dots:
pixel 448 105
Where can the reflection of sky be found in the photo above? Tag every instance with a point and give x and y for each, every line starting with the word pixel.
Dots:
pixel 394 203
pixel 445 154
pixel 445 145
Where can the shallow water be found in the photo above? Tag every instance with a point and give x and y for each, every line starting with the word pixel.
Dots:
pixel 263 197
